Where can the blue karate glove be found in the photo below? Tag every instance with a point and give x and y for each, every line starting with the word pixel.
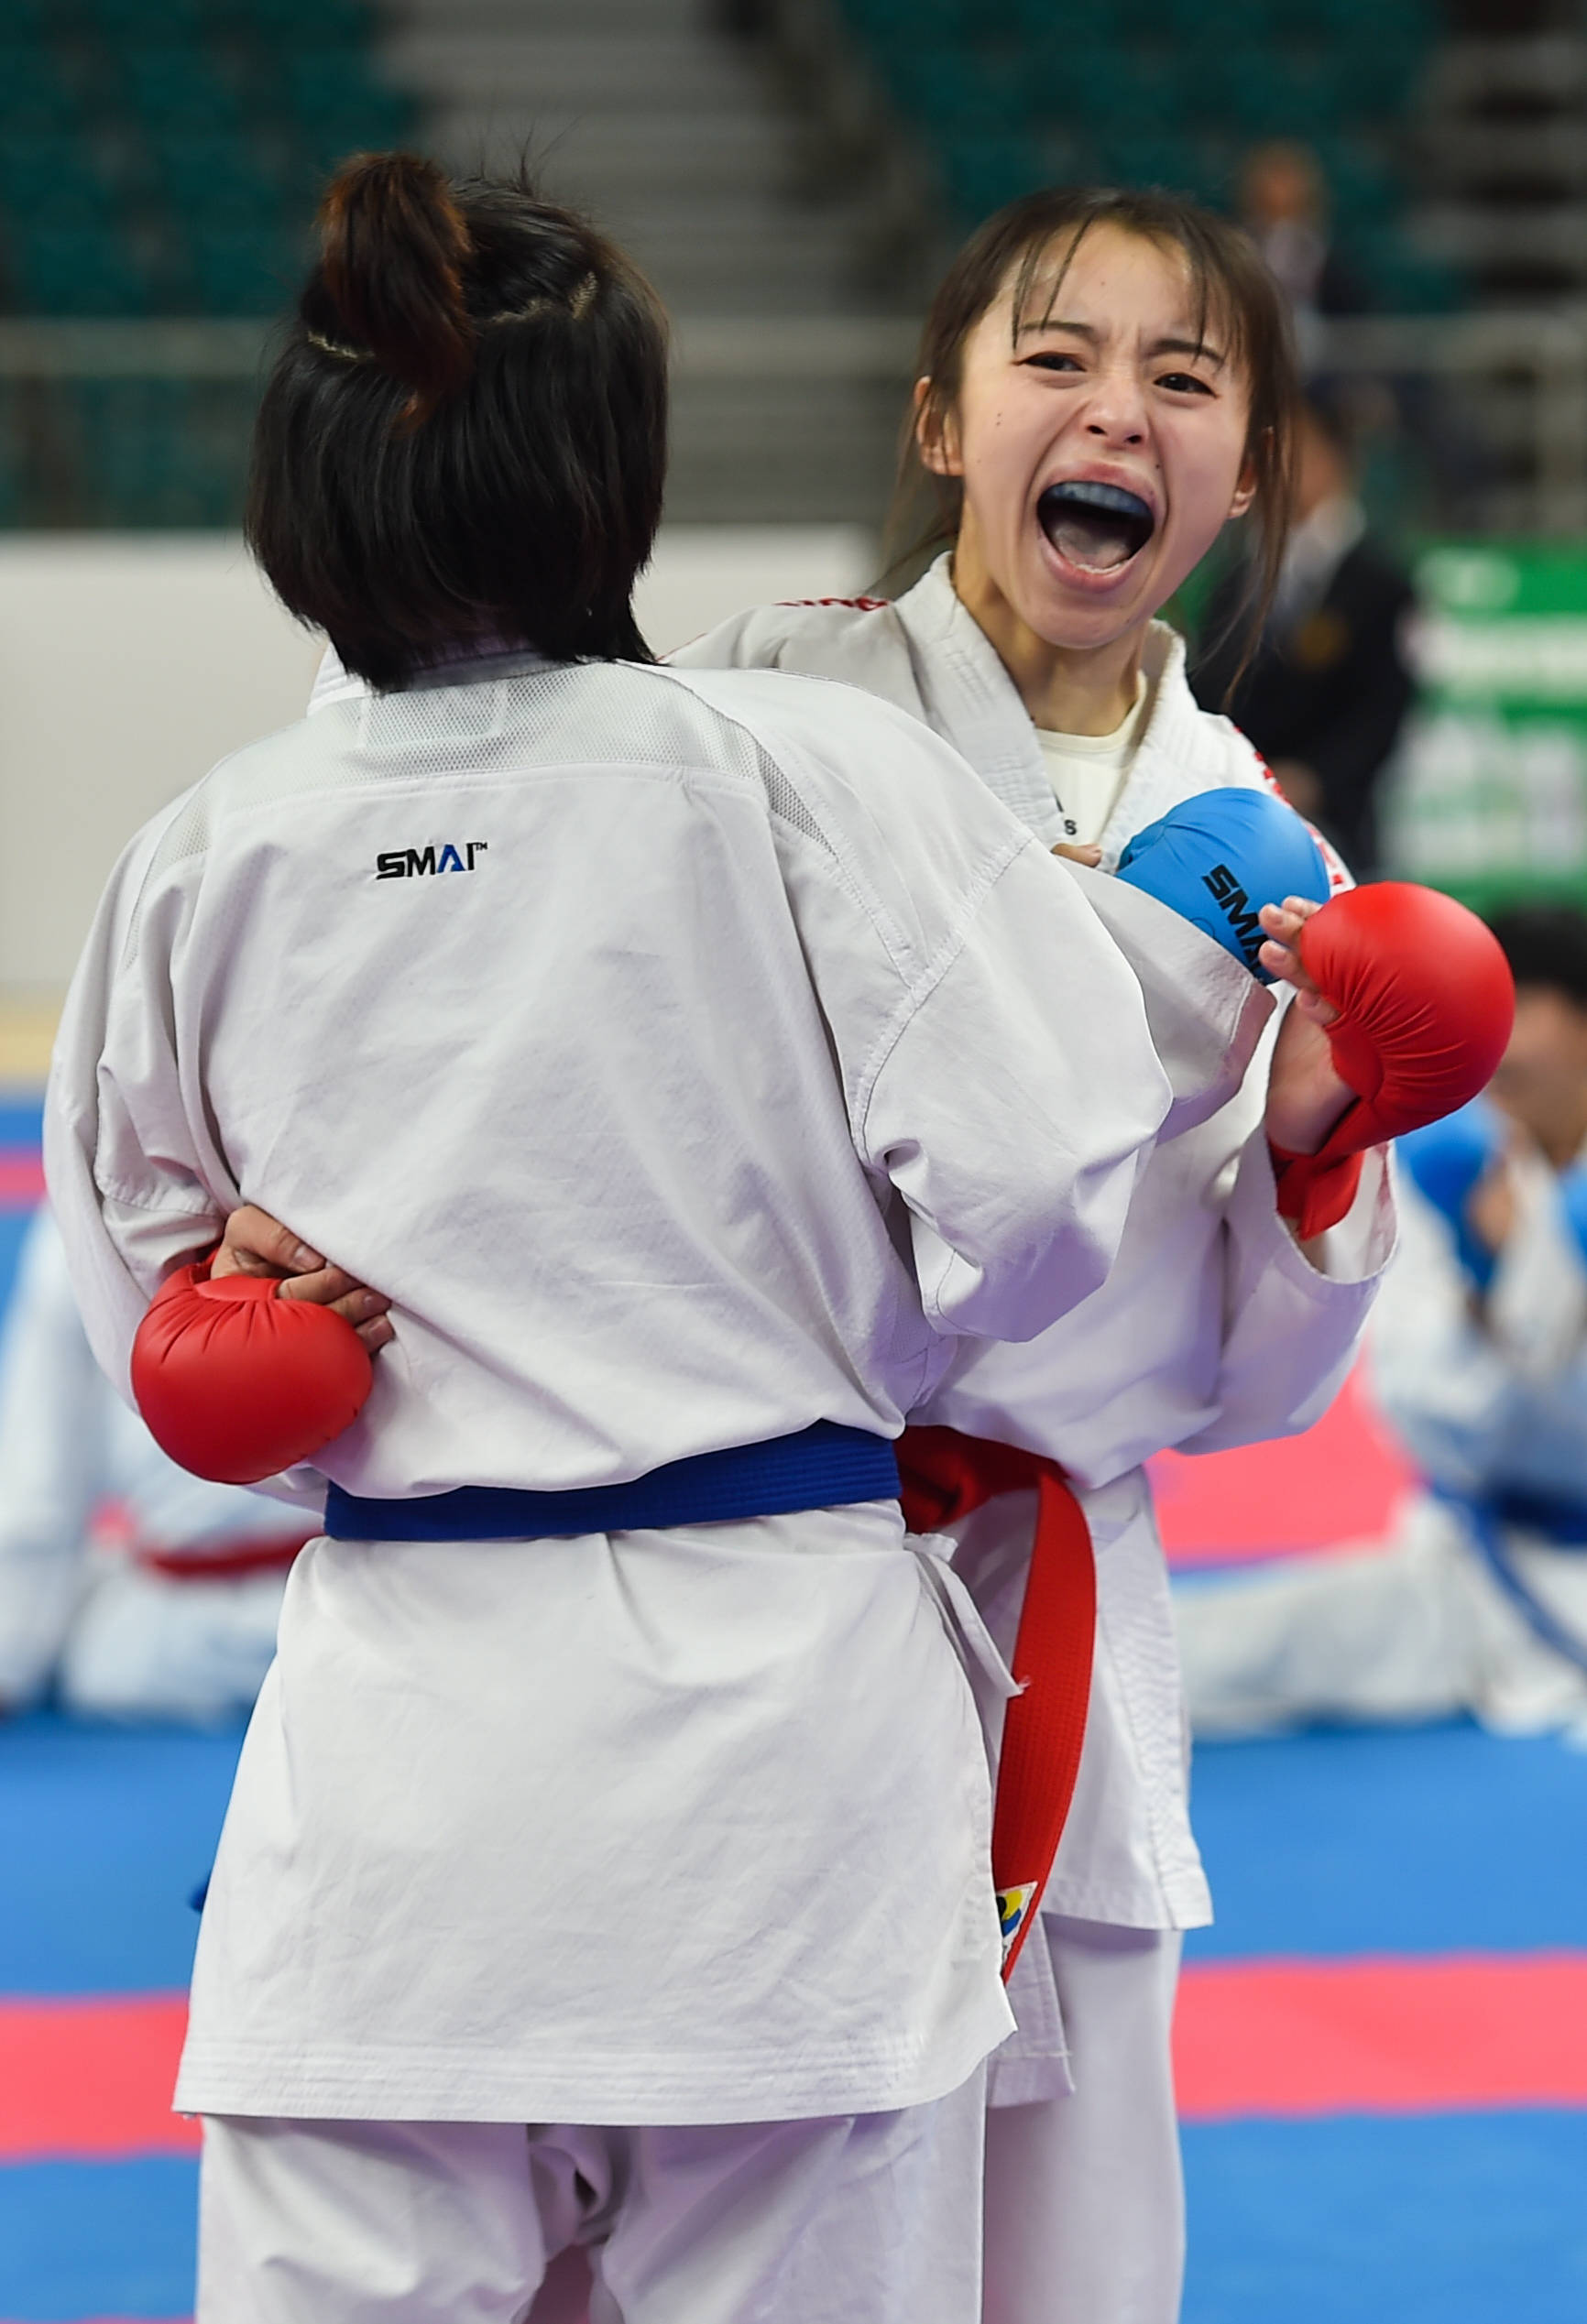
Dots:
pixel 1218 857
pixel 1445 1160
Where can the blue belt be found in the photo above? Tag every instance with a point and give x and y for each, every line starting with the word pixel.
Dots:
pixel 823 1467
pixel 1487 1524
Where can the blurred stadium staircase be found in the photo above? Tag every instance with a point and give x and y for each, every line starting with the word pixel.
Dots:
pixel 1504 156
pixel 671 134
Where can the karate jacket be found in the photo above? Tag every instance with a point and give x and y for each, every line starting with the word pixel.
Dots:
pixel 690 1057
pixel 1213 1329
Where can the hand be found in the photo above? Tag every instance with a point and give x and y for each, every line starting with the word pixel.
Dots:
pixel 1305 1094
pixel 1492 1204
pixel 1092 856
pixel 256 1244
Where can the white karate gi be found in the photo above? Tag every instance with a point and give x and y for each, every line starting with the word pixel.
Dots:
pixel 1419 1627
pixel 120 1636
pixel 700 1078
pixel 1213 1329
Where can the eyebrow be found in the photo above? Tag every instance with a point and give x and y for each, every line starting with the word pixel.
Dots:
pixel 1202 348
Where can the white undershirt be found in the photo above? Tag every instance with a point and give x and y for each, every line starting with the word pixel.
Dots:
pixel 1087 772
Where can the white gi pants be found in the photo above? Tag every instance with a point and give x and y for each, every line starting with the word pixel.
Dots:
pixel 859 2220
pixel 1084 2198
pixel 1415 1628
pixel 145 1645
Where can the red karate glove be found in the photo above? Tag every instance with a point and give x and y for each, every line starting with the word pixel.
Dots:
pixel 1426 1002
pixel 236 1384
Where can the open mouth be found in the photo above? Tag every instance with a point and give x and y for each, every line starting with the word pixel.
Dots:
pixel 1097 527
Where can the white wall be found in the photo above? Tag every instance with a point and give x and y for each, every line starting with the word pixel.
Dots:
pixel 130 663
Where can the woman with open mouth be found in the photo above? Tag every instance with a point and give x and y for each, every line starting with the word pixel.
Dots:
pixel 1105 382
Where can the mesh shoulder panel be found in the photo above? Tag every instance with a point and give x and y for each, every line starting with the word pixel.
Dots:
pixel 566 714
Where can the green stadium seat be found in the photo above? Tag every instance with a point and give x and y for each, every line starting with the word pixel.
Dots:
pixel 53 179
pixel 228 180
pixel 25 20
pixel 72 270
pixel 35 97
pixel 174 88
pixel 149 23
pixel 247 270
pixel 1276 92
pixel 1173 164
pixel 981 174
pixel 335 104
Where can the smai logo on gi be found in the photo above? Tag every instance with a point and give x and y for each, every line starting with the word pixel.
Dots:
pixel 424 863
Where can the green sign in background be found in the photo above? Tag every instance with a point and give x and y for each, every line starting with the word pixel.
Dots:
pixel 1488 795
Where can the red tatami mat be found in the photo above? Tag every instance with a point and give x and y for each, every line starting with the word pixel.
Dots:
pixel 1381 2037
pixel 1342 1482
pixel 21 1179
pixel 92 2080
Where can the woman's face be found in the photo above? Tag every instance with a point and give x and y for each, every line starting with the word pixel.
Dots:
pixel 1101 451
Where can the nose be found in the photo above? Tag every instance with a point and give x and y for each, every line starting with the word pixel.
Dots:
pixel 1118 411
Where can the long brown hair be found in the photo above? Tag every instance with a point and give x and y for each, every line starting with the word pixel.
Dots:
pixel 1230 283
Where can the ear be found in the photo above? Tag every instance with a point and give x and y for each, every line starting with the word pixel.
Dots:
pixel 1244 488
pixel 936 434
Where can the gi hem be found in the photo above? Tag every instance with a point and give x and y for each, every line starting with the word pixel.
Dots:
pixel 394 2086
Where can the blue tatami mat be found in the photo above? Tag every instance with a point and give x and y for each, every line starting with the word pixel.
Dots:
pixel 105 1833
pixel 1471 2219
pixel 1431 1840
pixel 81 2240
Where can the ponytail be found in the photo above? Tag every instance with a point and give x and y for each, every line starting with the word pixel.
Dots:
pixel 394 246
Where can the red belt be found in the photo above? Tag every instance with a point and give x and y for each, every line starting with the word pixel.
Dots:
pixel 944 1476
pixel 251 1554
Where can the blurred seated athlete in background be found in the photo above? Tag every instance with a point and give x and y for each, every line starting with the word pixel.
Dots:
pixel 1479 1601
pixel 1327 690
pixel 168 1611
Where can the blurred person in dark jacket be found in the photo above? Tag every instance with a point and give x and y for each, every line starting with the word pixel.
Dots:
pixel 1284 207
pixel 1327 690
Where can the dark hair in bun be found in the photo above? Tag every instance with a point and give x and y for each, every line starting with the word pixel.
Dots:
pixel 464 438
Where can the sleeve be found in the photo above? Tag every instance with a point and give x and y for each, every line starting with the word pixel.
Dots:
pixel 1293 1318
pixel 53 1455
pixel 135 1175
pixel 1012 1106
pixel 752 640
pixel 1206 1011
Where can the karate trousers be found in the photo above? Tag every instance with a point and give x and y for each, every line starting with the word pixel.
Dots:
pixel 1411 1629
pixel 1085 2197
pixel 855 2220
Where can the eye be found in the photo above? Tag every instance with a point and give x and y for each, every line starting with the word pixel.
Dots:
pixel 1051 359
pixel 1182 383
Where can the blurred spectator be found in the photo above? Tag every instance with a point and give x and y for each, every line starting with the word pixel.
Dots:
pixel 1283 208
pixel 174 1619
pixel 1328 688
pixel 1479 1602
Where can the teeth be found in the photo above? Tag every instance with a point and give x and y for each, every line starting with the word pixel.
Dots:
pixel 1096 525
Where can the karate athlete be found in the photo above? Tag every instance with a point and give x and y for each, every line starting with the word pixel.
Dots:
pixel 1478 1602
pixel 1105 381
pixel 168 1610
pixel 693 1059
